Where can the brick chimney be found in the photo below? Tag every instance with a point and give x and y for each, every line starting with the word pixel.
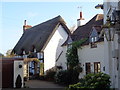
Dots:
pixel 79 21
pixel 25 26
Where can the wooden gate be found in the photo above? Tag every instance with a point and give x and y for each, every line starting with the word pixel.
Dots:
pixel 8 72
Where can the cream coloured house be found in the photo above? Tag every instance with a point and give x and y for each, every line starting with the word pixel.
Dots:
pixel 91 56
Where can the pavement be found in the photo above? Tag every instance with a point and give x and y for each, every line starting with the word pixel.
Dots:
pixel 43 84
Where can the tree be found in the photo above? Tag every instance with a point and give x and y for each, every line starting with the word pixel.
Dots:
pixel 9 53
pixel 1 55
pixel 72 56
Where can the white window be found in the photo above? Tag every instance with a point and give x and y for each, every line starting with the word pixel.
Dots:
pixel 96 67
pixel 41 55
pixel 92 39
pixel 95 39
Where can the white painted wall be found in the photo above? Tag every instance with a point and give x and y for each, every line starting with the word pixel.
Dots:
pixel 63 60
pixel 53 49
pixel 88 54
pixel 18 71
pixel 114 75
pixel 109 61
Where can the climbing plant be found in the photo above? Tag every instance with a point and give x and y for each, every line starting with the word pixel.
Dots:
pixel 70 76
pixel 72 56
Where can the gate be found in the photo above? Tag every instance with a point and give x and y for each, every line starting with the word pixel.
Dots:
pixel 10 70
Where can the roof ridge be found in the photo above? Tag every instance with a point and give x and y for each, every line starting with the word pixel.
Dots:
pixel 56 19
pixel 93 18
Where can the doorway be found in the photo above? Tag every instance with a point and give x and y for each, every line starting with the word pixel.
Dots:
pixel 88 68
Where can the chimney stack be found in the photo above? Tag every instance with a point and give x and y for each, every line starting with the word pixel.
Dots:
pixel 79 21
pixel 25 26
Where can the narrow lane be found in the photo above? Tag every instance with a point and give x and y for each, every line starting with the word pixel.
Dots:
pixel 42 84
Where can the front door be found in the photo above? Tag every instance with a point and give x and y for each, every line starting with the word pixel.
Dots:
pixel 88 68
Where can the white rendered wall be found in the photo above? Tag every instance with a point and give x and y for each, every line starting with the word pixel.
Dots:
pixel 62 60
pixel 88 54
pixel 53 49
pixel 111 63
pixel 18 71
pixel 115 63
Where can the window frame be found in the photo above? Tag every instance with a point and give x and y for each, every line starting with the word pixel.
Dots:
pixel 97 69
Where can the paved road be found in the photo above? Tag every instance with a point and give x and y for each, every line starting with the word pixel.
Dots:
pixel 42 84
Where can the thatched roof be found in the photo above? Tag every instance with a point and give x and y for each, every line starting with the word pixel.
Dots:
pixel 85 30
pixel 38 36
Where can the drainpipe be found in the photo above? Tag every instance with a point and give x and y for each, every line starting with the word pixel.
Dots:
pixel 119 61
pixel 118 8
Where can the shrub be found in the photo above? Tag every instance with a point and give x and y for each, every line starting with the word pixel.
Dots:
pixel 18 83
pixel 66 77
pixel 98 80
pixel 61 77
pixel 50 75
pixel 41 77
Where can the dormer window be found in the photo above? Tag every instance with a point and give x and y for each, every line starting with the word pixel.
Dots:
pixel 93 38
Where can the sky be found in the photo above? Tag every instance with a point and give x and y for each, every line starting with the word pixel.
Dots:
pixel 14 14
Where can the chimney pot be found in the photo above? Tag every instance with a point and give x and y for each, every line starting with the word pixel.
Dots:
pixel 25 22
pixel 80 15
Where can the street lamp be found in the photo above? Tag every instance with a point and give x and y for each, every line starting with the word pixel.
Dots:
pixel 112 25
pixel 108 28
pixel 99 6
